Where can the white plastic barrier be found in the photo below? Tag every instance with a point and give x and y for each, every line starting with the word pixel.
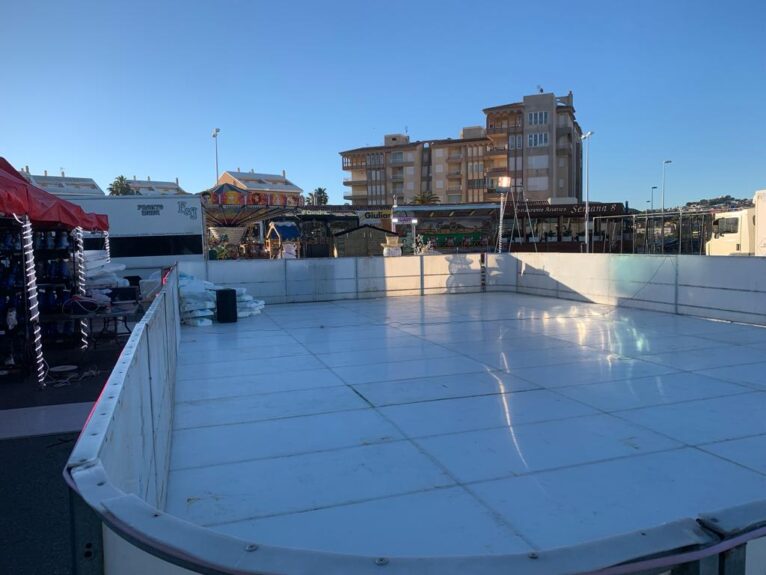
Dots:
pixel 729 288
pixel 126 441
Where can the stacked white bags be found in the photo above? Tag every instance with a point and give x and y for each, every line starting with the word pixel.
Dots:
pixel 198 301
pixel 100 273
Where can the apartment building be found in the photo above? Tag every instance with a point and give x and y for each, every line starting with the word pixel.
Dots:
pixel 149 187
pixel 535 142
pixel 64 186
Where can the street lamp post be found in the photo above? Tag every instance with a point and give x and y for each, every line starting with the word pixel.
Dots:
pixel 586 138
pixel 215 133
pixel 503 188
pixel 652 197
pixel 664 165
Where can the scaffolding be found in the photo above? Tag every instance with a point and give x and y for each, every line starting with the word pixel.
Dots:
pixel 656 232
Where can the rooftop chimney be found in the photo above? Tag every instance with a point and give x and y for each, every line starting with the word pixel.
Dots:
pixel 45 172
pixel 252 171
pixel 284 174
pixel 148 178
pixel 134 177
pixel 238 169
pixel 26 169
pixel 176 181
pixel 62 174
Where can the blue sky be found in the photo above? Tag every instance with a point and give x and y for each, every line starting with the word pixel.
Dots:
pixel 135 88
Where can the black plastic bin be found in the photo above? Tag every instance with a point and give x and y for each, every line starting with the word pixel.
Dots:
pixel 226 305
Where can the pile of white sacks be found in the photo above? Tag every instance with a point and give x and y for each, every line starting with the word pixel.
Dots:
pixel 101 275
pixel 198 301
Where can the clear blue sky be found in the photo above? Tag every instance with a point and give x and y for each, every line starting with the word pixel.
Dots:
pixel 134 88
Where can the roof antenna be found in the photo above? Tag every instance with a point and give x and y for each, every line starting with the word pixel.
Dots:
pixel 405 131
pixel 539 88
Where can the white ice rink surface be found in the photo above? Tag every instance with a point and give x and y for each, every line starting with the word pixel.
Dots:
pixel 464 424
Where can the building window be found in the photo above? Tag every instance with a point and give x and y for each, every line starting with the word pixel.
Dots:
pixel 537 118
pixel 537 139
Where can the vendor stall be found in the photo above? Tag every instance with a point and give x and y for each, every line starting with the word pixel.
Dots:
pixel 283 240
pixel 41 271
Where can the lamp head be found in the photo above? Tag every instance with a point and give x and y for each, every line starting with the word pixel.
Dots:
pixel 668 162
pixel 216 131
pixel 587 135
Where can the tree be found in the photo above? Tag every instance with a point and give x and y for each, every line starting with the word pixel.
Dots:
pixel 310 199
pixel 320 196
pixel 425 198
pixel 121 187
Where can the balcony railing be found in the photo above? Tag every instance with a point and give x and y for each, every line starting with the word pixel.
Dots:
pixel 354 182
pixel 496 152
pixel 455 174
pixel 455 158
pixel 353 196
pixel 354 165
pixel 397 177
pixel 497 130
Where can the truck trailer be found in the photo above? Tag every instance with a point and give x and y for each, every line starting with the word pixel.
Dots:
pixel 741 232
pixel 147 233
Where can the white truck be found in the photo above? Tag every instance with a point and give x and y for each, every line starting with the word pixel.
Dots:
pixel 150 232
pixel 740 233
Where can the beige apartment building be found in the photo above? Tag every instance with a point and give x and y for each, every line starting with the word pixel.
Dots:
pixel 535 142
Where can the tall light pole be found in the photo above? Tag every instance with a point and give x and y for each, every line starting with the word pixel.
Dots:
pixel 664 165
pixel 586 138
pixel 215 133
pixel 652 197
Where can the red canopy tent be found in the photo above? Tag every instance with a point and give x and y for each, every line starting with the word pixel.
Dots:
pixel 18 196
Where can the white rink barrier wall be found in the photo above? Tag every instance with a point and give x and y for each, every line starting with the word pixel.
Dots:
pixel 120 463
pixel 727 288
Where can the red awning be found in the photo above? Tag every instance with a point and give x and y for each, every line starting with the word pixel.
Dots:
pixel 17 196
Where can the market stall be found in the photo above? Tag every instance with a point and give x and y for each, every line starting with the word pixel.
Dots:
pixel 42 271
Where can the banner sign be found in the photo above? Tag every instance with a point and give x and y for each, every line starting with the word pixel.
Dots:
pixel 245 198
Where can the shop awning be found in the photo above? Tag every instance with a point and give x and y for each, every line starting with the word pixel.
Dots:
pixel 19 197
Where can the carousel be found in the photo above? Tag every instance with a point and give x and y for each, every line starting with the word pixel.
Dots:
pixel 236 220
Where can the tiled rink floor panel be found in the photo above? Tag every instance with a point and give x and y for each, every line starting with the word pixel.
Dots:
pixel 463 424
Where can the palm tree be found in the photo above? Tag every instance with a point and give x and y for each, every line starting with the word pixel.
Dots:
pixel 320 196
pixel 121 187
pixel 425 197
pixel 310 199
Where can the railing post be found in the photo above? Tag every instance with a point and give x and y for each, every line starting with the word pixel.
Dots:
pixel 422 277
pixel 706 566
pixel 733 561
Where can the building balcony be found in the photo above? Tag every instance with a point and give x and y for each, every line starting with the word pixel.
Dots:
pixel 499 171
pixel 400 162
pixel 455 158
pixel 498 130
pixel 357 165
pixel 496 152
pixel 354 182
pixel 564 148
pixel 455 174
pixel 396 178
pixel 355 196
